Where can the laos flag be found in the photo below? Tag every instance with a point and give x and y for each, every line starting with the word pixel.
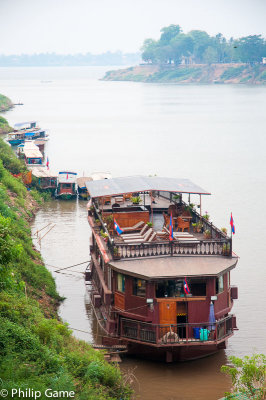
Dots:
pixel 232 225
pixel 117 228
pixel 171 230
pixel 186 288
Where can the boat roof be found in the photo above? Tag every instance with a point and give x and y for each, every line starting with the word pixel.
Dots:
pixel 82 181
pixel 42 172
pixel 31 150
pixel 173 267
pixel 67 177
pixel 100 175
pixel 19 124
pixel 138 183
pixel 32 153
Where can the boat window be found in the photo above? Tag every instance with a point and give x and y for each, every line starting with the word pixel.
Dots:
pixel 170 288
pixel 139 287
pixel 220 284
pixel 66 185
pixel 121 283
pixel 197 287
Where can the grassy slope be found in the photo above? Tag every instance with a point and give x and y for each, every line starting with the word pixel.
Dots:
pixel 36 349
pixel 5 104
pixel 215 73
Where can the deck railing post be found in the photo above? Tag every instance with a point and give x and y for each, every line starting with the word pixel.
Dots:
pixel 138 331
pixel 157 333
pixel 187 333
pixel 171 247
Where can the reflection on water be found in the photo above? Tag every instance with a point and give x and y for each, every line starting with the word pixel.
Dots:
pixel 213 135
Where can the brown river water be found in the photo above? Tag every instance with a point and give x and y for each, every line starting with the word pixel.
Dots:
pixel 213 135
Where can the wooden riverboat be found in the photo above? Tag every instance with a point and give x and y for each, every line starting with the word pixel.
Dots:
pixel 46 179
pixel 164 299
pixel 26 131
pixel 66 185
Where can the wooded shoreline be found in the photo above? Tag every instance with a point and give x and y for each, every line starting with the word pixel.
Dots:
pixel 232 73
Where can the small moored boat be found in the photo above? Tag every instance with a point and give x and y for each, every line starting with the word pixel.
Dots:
pixel 66 185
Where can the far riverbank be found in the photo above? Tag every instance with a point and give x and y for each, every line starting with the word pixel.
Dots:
pixel 193 74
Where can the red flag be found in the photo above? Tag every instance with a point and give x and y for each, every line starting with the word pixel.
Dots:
pixel 67 175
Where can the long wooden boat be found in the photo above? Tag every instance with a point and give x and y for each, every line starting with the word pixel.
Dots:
pixel 164 299
pixel 66 185
pixel 26 131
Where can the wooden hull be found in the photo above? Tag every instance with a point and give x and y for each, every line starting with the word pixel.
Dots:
pixel 66 196
pixel 15 142
pixel 166 354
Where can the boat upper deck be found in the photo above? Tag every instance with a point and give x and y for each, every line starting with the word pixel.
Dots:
pixel 137 224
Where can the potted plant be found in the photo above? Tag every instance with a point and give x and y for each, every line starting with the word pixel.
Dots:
pixel 149 224
pixel 136 200
pixel 207 234
pixel 98 222
pixel 199 226
pixel 104 235
pixel 116 254
pixel 206 216
pixel 194 226
pixel 224 230
pixel 177 197
pixel 226 249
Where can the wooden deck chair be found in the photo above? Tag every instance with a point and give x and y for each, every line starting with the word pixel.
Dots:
pixel 181 224
pixel 166 219
pixel 136 227
pixel 140 240
pixel 153 236
pixel 135 235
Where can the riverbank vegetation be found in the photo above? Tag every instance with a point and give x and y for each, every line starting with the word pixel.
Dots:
pixel 248 377
pixel 199 74
pixel 5 103
pixel 36 349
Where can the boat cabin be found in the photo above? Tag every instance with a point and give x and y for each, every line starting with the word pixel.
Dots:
pixel 46 179
pixel 82 189
pixel 66 184
pixel 160 269
pixel 32 154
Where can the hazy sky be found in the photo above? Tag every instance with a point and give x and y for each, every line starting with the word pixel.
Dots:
pixel 80 26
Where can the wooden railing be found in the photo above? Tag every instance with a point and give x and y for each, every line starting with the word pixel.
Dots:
pixel 177 333
pixel 208 247
pixel 218 245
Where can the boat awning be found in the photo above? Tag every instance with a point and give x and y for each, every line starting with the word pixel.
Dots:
pixel 67 177
pixel 172 267
pixel 82 181
pixel 32 153
pixel 131 184
pixel 21 124
pixel 42 172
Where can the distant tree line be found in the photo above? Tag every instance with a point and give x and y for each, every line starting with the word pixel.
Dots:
pixel 175 47
pixel 53 59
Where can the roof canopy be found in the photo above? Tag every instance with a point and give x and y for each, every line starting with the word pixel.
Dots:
pixel 131 184
pixel 42 172
pixel 173 267
pixel 20 124
pixel 67 177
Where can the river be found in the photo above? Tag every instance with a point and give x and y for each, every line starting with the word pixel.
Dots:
pixel 213 135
